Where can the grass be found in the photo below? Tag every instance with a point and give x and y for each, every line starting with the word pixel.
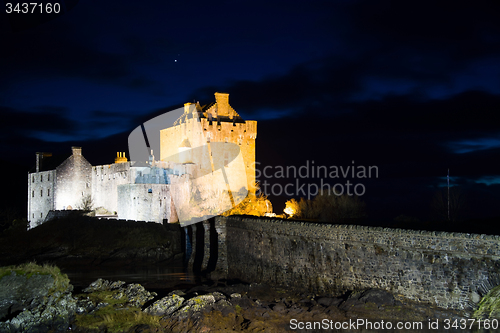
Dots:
pixel 61 281
pixel 489 307
pixel 115 316
pixel 116 319
pixel 105 296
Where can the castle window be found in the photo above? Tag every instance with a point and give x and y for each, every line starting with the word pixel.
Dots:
pixel 33 178
pixel 48 191
pixel 33 195
pixel 41 215
pixel 41 193
pixel 41 178
pixel 33 215
pixel 48 177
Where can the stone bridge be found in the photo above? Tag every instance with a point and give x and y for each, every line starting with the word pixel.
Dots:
pixel 448 270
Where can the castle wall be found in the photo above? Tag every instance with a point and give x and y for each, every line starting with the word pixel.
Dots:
pixel 73 181
pixel 444 269
pixel 40 196
pixel 144 202
pixel 105 181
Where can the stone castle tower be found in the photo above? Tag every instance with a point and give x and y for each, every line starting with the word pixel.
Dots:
pixel 211 137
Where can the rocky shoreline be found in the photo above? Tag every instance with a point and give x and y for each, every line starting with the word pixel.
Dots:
pixel 115 306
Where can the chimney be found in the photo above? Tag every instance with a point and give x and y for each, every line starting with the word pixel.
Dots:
pixel 76 150
pixel 222 100
pixel 39 157
pixel 189 108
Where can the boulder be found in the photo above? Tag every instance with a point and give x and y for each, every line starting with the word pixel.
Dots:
pixel 165 306
pixel 35 299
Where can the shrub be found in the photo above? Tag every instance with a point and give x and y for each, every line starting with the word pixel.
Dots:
pixel 327 207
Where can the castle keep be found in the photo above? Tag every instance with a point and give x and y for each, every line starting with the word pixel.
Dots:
pixel 208 149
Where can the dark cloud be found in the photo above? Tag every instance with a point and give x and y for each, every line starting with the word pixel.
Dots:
pixel 42 119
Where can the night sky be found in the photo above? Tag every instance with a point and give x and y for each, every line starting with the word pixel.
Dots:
pixel 410 87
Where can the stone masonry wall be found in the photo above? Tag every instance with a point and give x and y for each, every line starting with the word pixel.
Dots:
pixel 40 196
pixel 448 270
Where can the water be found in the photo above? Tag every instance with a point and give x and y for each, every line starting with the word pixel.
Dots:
pixel 152 277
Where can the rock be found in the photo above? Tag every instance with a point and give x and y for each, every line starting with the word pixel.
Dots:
pixel 103 285
pixel 279 307
pixel 224 307
pixel 218 296
pixel 193 307
pixel 329 301
pixel 124 295
pixel 17 291
pixel 377 296
pixel 35 299
pixel 242 302
pixel 165 306
pixel 84 306
pixel 137 295
pixel 176 292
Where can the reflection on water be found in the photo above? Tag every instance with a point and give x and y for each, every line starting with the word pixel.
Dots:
pixel 158 276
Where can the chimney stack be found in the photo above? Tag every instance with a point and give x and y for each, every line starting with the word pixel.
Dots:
pixel 39 157
pixel 76 150
pixel 189 108
pixel 39 160
pixel 222 100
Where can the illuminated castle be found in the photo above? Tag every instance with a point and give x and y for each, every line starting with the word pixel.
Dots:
pixel 204 142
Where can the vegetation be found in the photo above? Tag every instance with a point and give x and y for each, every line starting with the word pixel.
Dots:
pixel 457 204
pixel 327 207
pixel 113 316
pixel 489 307
pixel 86 204
pixel 61 281
pixel 257 205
